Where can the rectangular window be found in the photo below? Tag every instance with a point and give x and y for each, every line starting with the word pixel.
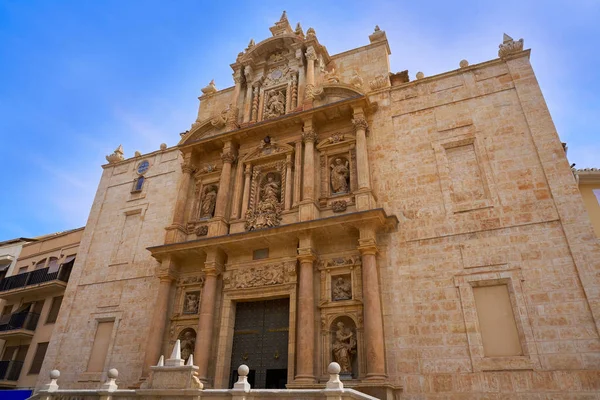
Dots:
pixel 22 270
pixel 100 346
pixel 38 358
pixel 260 254
pixel 496 321
pixel 54 308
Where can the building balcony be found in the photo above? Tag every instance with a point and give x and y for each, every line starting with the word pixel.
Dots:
pixel 19 325
pixel 9 372
pixel 40 282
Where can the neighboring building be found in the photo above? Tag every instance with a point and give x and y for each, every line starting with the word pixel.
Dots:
pixel 32 294
pixel 589 186
pixel 427 235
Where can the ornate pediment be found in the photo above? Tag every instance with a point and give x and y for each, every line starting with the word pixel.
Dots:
pixel 267 149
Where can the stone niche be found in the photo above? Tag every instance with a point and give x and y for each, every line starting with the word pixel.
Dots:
pixel 186 307
pixel 337 172
pixel 341 302
pixel 206 187
pixel 187 338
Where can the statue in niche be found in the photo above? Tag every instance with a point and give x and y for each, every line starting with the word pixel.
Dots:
pixel 275 105
pixel 340 176
pixel 207 208
pixel 344 348
pixel 187 340
pixel 268 210
pixel 191 302
pixel 342 289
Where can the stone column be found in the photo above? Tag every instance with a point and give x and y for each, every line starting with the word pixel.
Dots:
pixel 311 57
pixel 213 266
pixel 219 227
pixel 288 182
pixel 308 209
pixel 364 197
pixel 255 100
pixel 297 173
pixel 176 232
pixel 248 100
pixel 246 197
pixel 305 331
pixel 301 77
pixel 373 319
pixel 160 316
pixel 237 192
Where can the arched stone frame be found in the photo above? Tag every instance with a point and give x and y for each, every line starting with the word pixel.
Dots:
pixel 233 294
pixel 187 340
pixel 207 176
pixel 337 145
pixel 328 319
pixel 349 326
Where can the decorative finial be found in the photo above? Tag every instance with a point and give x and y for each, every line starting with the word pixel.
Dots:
pixel 190 360
pixel 251 44
pixel 377 35
pixel 52 386
pixel 116 156
pixel 377 28
pixel 463 63
pixel 163 146
pixel 311 34
pixel 137 154
pixel 110 385
pixel 509 46
pixel 182 134
pixel 175 360
pixel 299 30
pixel 282 26
pixel 283 17
pixel 210 88
pixel 420 75
pixel 161 361
pixel 334 377
pixel 242 383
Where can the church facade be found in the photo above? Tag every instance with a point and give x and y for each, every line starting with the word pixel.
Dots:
pixel 426 235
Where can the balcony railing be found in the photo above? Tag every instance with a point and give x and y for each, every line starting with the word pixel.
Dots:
pixel 35 277
pixel 20 320
pixel 10 370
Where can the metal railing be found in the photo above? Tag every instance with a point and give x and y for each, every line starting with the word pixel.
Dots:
pixel 21 320
pixel 10 370
pixel 35 277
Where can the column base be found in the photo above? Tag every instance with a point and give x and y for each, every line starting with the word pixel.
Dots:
pixel 175 233
pixel 218 226
pixel 365 200
pixel 301 381
pixel 308 210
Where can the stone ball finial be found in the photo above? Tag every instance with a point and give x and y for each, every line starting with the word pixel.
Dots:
pixel 54 374
pixel 420 75
pixel 334 368
pixel 243 370
pixel 163 146
pixel 113 373
pixel 138 154
pixel 463 63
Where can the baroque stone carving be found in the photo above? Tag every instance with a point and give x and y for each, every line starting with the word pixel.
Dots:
pixel 341 261
pixel 336 137
pixel 188 280
pixel 210 88
pixel 267 275
pixel 219 120
pixel 310 52
pixel 313 92
pixel 191 303
pixel 332 76
pixel 208 168
pixel 275 104
pixel 360 123
pixel 509 46
pixel 379 82
pixel 311 34
pixel 309 135
pixel 340 176
pixel 356 80
pixel 209 198
pixel 341 288
pixel 339 206
pixel 116 156
pixel 344 347
pixel 202 230
pixel 268 210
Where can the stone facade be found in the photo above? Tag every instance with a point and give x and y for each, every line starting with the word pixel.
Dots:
pixel 390 213
pixel 589 186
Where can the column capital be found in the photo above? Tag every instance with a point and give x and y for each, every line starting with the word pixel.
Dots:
pixel 188 168
pixel 248 169
pixel 228 157
pixel 213 268
pixel 360 122
pixel 309 135
pixel 367 246
pixel 306 254
pixel 237 76
pixel 310 54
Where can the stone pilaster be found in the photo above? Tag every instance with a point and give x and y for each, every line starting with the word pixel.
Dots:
pixel 297 173
pixel 305 334
pixel 176 232
pixel 288 182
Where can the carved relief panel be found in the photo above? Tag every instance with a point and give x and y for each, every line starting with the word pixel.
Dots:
pixel 337 171
pixel 341 311
pixel 205 197
pixel 184 316
pixel 259 275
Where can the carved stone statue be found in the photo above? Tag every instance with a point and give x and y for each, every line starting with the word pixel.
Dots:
pixel 340 176
pixel 207 208
pixel 188 343
pixel 344 348
pixel 190 305
pixel 275 105
pixel 271 190
pixel 342 289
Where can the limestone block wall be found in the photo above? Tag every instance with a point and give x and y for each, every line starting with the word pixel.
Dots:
pixel 471 164
pixel 113 277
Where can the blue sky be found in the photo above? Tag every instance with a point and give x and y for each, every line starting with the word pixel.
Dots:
pixel 78 78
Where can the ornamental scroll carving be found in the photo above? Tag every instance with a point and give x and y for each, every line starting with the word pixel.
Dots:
pixel 340 261
pixel 267 275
